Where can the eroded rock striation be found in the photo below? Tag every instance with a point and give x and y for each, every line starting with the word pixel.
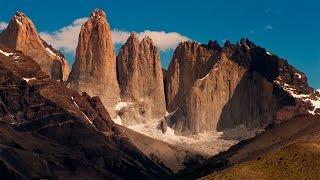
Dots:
pixel 22 35
pixel 240 84
pixel 140 77
pixel 94 69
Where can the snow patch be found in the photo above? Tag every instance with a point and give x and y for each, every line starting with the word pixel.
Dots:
pixel 28 79
pixel 75 103
pixel 121 105
pixel 86 117
pixel 209 74
pixel 299 75
pixel 52 53
pixel 6 53
pixel 303 97
pixel 315 103
pixel 269 53
pixel 204 77
pixel 118 107
pixel 117 120
pixel 18 20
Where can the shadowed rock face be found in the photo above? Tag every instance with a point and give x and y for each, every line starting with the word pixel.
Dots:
pixel 22 35
pixel 140 75
pixel 49 131
pixel 239 87
pixel 94 70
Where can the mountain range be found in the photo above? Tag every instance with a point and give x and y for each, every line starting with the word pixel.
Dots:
pixel 216 110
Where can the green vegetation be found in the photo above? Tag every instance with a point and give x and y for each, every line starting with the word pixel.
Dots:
pixel 297 161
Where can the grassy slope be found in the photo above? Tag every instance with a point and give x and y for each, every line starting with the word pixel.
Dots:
pixel 297 161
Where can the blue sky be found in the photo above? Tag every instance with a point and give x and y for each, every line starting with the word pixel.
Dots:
pixel 290 29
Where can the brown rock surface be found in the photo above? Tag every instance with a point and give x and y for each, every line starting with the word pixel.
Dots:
pixel 94 70
pixel 140 75
pixel 238 89
pixel 22 35
pixel 190 62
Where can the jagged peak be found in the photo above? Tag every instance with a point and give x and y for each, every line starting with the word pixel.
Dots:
pixel 147 39
pixel 20 14
pixel 212 45
pixel 97 13
pixel 132 39
pixel 18 17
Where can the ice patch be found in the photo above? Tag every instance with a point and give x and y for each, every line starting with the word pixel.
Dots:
pixel 6 53
pixel 28 79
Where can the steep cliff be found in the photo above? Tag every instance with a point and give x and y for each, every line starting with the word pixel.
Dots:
pixel 94 69
pixel 140 77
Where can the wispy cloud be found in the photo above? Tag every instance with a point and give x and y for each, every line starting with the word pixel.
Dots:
pixel 3 25
pixel 268 27
pixel 66 38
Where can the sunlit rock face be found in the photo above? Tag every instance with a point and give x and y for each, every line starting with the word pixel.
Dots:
pixel 22 35
pixel 140 79
pixel 216 88
pixel 94 70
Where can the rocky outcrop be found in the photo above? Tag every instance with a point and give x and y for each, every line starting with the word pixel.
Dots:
pixel 239 88
pixel 22 35
pixel 94 69
pixel 140 76
pixel 49 131
pixel 190 61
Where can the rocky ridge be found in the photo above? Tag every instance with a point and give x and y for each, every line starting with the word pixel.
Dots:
pixel 241 85
pixel 49 131
pixel 22 35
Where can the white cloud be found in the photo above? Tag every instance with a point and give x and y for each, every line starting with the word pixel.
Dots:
pixel 162 40
pixel 269 27
pixel 66 38
pixel 3 25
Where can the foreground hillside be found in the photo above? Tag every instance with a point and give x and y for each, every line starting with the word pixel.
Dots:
pixel 297 161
